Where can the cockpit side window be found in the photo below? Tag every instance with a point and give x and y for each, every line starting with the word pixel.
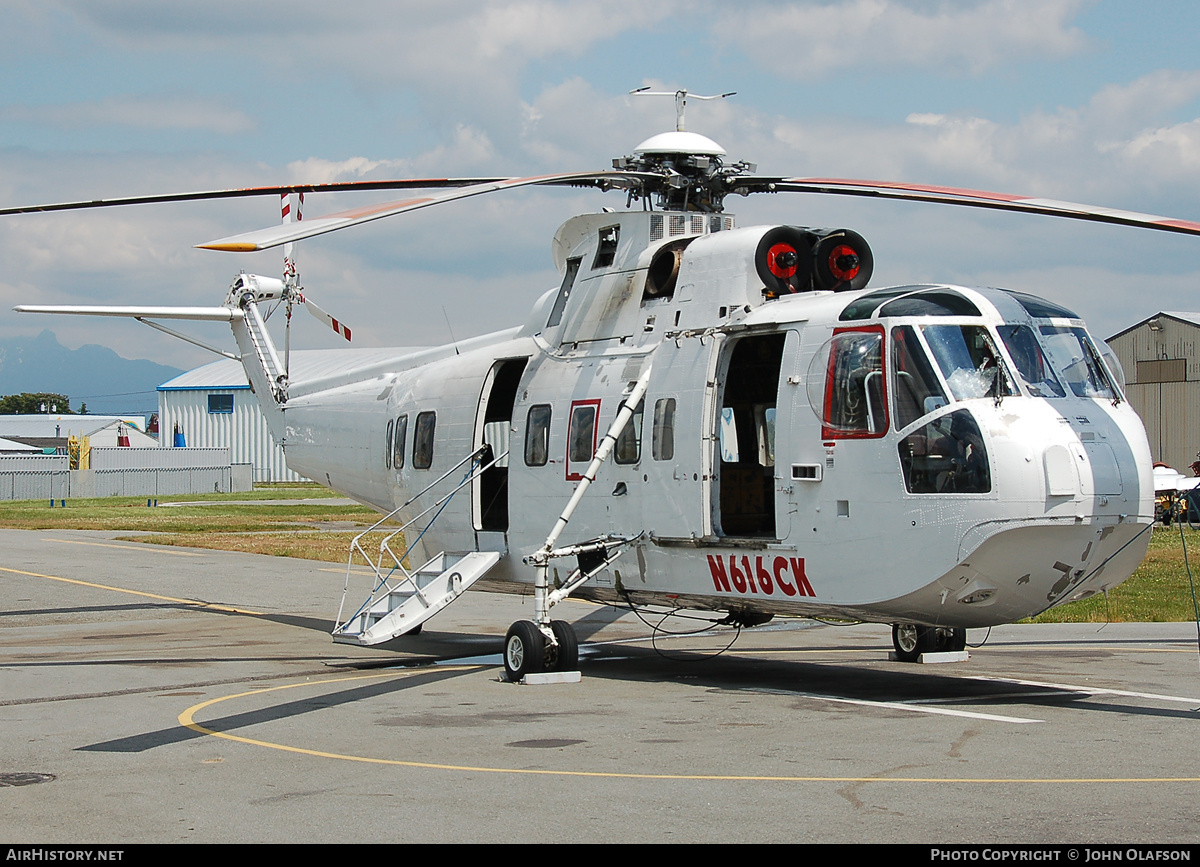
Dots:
pixel 915 387
pixel 855 394
pixel 1073 355
pixel 1026 353
pixel 946 456
pixel 969 360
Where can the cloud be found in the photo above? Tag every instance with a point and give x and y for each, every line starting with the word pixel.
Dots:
pixel 136 112
pixel 806 39
pixel 380 42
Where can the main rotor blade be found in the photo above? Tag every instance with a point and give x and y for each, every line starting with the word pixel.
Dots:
pixel 244 192
pixel 273 236
pixel 968 198
pixel 340 327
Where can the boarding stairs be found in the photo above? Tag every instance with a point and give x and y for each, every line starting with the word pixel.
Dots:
pixel 402 599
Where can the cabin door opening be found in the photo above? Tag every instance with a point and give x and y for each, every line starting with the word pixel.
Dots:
pixel 492 428
pixel 746 436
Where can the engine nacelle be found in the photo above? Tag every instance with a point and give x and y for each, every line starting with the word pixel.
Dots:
pixel 792 259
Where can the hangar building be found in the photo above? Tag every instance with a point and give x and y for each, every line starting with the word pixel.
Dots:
pixel 1162 382
pixel 214 407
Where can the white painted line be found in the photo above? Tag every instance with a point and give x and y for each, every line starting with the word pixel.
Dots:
pixel 899 705
pixel 1091 690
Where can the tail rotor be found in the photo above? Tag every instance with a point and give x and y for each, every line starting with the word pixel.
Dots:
pixel 291 207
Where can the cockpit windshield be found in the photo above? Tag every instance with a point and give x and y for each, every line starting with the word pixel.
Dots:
pixel 1077 360
pixel 968 360
pixel 1027 355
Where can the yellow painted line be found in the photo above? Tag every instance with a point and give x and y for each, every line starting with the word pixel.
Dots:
pixel 187 719
pixel 192 602
pixel 159 549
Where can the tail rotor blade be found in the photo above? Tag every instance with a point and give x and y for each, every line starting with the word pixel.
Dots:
pixel 313 308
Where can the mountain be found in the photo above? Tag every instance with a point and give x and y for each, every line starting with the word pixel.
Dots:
pixel 95 375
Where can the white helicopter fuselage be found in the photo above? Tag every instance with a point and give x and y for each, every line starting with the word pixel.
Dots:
pixel 929 454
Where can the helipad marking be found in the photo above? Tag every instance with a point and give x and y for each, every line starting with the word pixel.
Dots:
pixel 126 547
pixel 193 602
pixel 187 719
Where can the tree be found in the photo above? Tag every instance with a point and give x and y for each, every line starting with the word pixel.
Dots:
pixel 29 404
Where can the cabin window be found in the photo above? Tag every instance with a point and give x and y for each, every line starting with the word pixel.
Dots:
pixel 855 397
pixel 606 248
pixel 628 449
pixel 969 360
pixel 662 437
pixel 1073 355
pixel 581 439
pixel 946 456
pixel 915 387
pixel 401 436
pixel 537 436
pixel 387 446
pixel 220 403
pixel 1026 354
pixel 423 440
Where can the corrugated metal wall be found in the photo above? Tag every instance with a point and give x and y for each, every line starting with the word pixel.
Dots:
pixel 244 431
pixel 34 477
pixel 158 458
pixel 117 472
pixel 1170 410
pixel 152 482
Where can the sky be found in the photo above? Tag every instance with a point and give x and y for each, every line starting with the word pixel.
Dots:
pixel 1093 101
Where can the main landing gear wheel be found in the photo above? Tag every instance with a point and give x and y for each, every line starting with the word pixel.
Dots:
pixel 524 650
pixel 952 639
pixel 911 640
pixel 566 655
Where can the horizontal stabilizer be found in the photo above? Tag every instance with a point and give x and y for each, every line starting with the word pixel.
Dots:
pixel 199 314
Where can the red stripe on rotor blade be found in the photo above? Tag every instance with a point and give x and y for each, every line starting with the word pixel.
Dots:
pixel 921 188
pixel 1180 224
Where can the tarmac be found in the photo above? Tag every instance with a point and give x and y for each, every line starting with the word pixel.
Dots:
pixel 158 694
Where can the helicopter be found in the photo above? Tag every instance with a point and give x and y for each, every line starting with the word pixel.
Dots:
pixel 712 417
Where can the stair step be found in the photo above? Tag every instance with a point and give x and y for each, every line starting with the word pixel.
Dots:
pixel 403 609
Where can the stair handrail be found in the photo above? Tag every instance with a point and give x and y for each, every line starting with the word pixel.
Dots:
pixel 473 473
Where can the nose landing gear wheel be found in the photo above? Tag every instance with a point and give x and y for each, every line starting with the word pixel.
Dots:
pixel 524 650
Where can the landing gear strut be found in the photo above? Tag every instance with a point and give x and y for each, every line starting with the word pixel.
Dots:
pixel 526 650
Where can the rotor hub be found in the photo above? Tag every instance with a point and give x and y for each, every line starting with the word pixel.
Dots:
pixel 693 175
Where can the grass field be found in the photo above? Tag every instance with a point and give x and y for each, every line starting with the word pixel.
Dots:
pixel 1158 591
pixel 230 522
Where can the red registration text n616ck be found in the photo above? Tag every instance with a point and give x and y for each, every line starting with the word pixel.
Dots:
pixel 741 577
